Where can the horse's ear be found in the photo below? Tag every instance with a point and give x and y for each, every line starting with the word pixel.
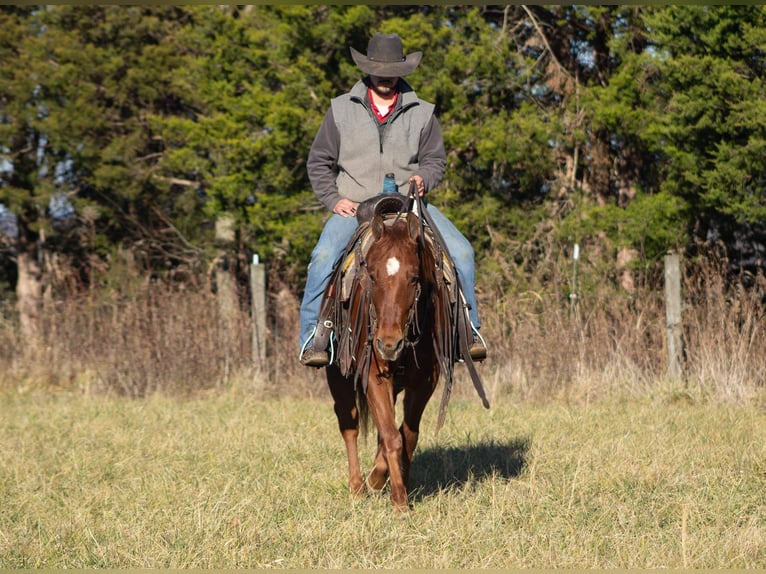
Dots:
pixel 414 225
pixel 377 226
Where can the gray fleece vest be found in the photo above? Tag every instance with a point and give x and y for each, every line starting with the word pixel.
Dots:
pixel 365 155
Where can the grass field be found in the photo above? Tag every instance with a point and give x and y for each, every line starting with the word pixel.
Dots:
pixel 659 480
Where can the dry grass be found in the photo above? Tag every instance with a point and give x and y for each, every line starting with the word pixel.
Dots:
pixel 154 339
pixel 142 437
pixel 231 482
pixel 150 340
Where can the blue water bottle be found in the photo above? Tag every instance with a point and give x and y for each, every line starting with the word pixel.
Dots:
pixel 389 184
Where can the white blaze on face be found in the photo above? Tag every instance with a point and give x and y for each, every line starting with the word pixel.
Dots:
pixel 392 266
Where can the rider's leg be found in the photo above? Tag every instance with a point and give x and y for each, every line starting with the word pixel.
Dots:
pixel 462 254
pixel 329 249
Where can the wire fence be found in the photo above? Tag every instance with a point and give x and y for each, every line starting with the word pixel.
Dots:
pixel 159 338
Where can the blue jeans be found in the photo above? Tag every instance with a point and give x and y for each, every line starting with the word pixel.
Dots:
pixel 332 243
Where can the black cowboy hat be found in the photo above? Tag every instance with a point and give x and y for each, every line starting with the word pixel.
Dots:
pixel 385 57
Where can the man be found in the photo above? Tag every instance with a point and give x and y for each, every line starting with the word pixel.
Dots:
pixel 379 127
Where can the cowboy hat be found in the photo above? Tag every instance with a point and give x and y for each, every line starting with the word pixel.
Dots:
pixel 385 57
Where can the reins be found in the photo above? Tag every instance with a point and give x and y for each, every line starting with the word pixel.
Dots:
pixel 412 328
pixel 457 337
pixel 452 332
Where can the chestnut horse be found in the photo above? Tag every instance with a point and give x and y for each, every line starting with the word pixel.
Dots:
pixel 396 335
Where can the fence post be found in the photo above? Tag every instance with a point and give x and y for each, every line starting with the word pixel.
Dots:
pixel 258 293
pixel 673 315
pixel 226 286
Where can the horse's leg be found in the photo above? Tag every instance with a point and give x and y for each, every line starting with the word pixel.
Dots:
pixel 380 398
pixel 343 394
pixel 376 480
pixel 416 397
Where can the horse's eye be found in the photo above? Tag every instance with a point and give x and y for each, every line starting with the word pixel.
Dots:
pixel 414 280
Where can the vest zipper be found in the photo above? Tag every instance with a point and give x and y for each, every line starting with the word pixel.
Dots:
pixel 394 115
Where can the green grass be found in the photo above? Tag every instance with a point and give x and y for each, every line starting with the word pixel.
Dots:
pixel 228 481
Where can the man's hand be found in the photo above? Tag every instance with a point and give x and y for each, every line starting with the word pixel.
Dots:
pixel 420 186
pixel 345 207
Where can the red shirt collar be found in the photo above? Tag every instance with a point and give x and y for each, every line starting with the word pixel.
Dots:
pixel 375 109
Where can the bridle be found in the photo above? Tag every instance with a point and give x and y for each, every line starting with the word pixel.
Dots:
pixel 451 325
pixel 413 332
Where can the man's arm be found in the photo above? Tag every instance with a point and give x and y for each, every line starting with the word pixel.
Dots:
pixel 322 162
pixel 431 156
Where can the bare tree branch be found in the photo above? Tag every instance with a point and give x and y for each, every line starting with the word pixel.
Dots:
pixel 545 41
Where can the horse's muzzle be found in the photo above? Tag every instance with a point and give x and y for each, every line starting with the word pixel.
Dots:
pixel 388 351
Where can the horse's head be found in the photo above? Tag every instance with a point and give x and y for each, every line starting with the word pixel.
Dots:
pixel 393 265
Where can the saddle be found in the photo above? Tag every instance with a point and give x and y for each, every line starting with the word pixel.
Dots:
pixel 332 313
pixel 384 204
pixel 391 207
pixel 452 327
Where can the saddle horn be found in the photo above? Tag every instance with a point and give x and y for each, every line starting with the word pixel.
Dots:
pixel 380 205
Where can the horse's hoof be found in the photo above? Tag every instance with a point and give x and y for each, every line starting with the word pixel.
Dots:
pixel 376 485
pixel 357 490
pixel 402 509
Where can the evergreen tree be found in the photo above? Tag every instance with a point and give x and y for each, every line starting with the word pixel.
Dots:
pixel 711 131
pixel 636 128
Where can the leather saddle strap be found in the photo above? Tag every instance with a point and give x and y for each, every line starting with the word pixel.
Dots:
pixel 463 323
pixel 328 313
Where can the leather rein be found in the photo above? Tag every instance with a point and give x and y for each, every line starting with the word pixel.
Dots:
pixel 452 328
pixel 412 327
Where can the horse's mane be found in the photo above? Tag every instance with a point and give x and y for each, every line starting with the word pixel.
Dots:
pixel 442 317
pixel 355 353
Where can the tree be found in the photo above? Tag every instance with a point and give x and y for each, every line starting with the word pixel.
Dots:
pixel 712 130
pixel 23 166
pixel 633 128
pixel 671 100
pixel 80 87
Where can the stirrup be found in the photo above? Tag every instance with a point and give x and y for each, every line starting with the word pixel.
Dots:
pixel 478 347
pixel 314 358
pixel 311 357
